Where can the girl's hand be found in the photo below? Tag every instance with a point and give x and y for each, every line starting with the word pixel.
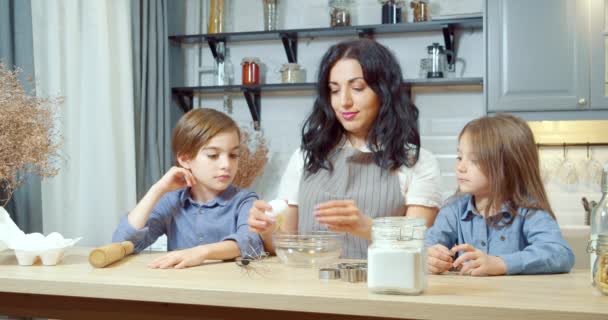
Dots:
pixel 344 216
pixel 180 259
pixel 477 263
pixel 258 221
pixel 439 259
pixel 175 178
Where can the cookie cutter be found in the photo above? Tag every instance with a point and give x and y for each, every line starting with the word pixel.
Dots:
pixel 353 272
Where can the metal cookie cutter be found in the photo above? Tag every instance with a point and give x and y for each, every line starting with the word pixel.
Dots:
pixel 353 272
pixel 329 273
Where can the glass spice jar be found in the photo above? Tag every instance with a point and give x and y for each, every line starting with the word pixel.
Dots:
pixel 291 73
pixel 392 11
pixel 420 10
pixel 251 71
pixel 600 266
pixel 340 12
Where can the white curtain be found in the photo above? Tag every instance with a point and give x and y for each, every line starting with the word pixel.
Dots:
pixel 82 52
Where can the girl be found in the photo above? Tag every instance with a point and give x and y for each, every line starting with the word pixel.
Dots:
pixel 194 203
pixel 503 224
pixel 360 156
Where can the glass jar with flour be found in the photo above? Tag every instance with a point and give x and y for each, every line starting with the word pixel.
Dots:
pixel 397 256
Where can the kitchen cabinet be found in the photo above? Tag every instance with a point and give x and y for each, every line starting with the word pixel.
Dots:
pixel 545 55
pixel 599 53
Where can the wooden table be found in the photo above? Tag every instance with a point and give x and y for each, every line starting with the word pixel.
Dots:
pixel 129 290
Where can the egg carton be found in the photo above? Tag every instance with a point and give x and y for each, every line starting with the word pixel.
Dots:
pixel 8 229
pixel 50 249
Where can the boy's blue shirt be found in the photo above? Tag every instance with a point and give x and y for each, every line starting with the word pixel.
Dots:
pixel 531 244
pixel 188 223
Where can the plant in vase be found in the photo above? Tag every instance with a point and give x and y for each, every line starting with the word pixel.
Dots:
pixel 251 163
pixel 29 139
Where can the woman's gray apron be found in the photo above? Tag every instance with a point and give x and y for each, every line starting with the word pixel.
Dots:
pixel 375 191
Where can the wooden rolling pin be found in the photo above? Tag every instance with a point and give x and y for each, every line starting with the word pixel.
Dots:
pixel 108 254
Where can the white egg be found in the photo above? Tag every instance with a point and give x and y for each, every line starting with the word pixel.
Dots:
pixel 278 208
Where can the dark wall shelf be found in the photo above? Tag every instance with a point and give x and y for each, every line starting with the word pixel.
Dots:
pixel 185 95
pixel 289 38
pixel 435 25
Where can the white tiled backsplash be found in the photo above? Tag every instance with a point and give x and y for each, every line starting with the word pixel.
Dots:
pixel 565 197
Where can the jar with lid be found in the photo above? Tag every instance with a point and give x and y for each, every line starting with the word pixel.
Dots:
pixel 341 12
pixel 292 73
pixel 420 10
pixel 600 266
pixel 397 256
pixel 251 71
pixel 392 11
pixel 599 222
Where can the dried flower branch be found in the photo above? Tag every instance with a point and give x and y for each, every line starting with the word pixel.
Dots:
pixel 251 164
pixel 29 141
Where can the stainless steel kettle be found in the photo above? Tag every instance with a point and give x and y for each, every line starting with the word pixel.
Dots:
pixel 437 56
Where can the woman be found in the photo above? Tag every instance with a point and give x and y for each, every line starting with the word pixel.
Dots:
pixel 360 156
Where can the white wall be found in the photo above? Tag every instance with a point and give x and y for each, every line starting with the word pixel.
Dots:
pixel 442 114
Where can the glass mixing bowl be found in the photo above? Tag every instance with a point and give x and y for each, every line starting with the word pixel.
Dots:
pixel 310 249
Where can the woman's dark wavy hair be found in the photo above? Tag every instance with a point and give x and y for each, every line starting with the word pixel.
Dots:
pixel 393 138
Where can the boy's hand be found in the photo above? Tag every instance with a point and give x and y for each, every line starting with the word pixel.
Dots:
pixel 477 263
pixel 439 259
pixel 180 259
pixel 258 221
pixel 175 178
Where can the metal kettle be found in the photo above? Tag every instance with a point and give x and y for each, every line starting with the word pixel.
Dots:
pixel 437 57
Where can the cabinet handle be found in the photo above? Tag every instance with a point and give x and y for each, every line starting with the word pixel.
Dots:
pixel 582 102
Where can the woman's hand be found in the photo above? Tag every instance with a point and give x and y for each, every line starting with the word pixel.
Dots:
pixel 180 259
pixel 344 216
pixel 258 221
pixel 477 263
pixel 439 259
pixel 175 178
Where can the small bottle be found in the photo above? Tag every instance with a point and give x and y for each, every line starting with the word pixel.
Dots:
pixel 599 222
pixel 397 256
pixel 221 76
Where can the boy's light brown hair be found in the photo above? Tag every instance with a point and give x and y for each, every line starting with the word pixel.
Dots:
pixel 196 128
pixel 508 156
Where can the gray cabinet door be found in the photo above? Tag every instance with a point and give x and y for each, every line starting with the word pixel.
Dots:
pixel 599 54
pixel 537 55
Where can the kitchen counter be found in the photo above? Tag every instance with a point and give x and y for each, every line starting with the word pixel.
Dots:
pixel 128 289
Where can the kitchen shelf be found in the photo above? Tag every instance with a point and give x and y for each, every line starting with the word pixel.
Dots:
pixel 290 37
pixel 252 94
pixel 435 25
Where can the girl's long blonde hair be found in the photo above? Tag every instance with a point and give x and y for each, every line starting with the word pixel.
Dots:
pixel 508 156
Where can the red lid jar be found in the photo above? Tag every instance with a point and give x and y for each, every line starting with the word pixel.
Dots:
pixel 251 71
